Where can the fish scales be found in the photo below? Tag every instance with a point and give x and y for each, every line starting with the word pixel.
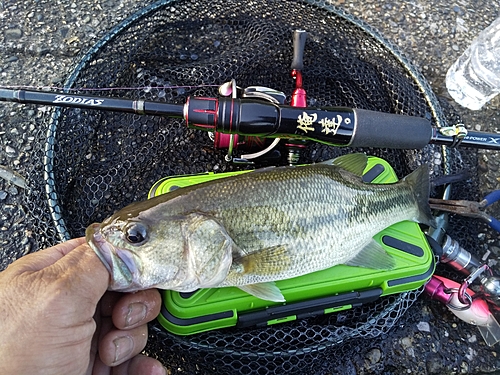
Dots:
pixel 256 228
pixel 321 225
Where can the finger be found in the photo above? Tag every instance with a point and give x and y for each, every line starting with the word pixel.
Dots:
pixel 94 344
pixel 96 366
pixel 118 346
pixel 105 328
pixel 65 247
pixel 45 258
pixel 140 364
pixel 135 309
pixel 82 272
pixel 108 302
pixel 99 368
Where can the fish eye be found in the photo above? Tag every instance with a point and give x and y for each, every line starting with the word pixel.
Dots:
pixel 135 233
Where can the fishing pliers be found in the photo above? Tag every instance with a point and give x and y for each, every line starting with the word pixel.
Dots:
pixel 469 208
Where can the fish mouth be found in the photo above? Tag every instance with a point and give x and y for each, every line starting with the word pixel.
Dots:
pixel 119 262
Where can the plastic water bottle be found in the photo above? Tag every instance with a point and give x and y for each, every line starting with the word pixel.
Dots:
pixel 474 79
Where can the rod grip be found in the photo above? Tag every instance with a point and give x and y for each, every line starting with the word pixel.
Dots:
pixel 387 130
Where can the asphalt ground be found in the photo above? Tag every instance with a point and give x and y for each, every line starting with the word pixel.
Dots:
pixel 41 40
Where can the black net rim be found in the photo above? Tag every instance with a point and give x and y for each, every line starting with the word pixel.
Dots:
pixel 337 333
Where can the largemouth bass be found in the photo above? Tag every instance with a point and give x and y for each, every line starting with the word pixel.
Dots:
pixel 256 228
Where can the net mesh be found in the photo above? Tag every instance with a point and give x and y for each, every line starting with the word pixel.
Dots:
pixel 90 163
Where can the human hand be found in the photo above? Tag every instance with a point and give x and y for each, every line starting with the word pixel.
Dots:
pixel 57 318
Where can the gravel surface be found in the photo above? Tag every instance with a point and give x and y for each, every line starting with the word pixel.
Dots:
pixel 40 41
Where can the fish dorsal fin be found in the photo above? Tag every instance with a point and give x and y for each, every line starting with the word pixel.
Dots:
pixel 266 291
pixel 373 256
pixel 354 163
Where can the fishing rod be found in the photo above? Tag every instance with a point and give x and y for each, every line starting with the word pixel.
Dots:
pixel 336 126
pixel 260 112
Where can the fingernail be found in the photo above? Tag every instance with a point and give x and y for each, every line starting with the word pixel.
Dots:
pixel 136 313
pixel 123 347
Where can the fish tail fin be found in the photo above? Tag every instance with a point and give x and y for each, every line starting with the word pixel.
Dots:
pixel 419 181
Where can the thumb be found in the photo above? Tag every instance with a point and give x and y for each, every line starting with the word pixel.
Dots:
pixel 44 258
pixel 82 271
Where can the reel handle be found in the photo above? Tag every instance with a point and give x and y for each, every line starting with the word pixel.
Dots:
pixel 299 43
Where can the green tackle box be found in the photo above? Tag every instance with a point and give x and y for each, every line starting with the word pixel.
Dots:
pixel 322 292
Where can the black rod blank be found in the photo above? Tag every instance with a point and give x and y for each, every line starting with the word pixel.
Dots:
pixel 390 134
pixel 142 107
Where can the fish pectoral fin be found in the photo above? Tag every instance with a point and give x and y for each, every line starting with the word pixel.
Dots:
pixel 354 163
pixel 373 256
pixel 268 261
pixel 266 291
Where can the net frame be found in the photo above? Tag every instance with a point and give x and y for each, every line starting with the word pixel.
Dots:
pixel 53 216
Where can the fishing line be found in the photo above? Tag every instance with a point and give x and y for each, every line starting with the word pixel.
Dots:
pixel 54 88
